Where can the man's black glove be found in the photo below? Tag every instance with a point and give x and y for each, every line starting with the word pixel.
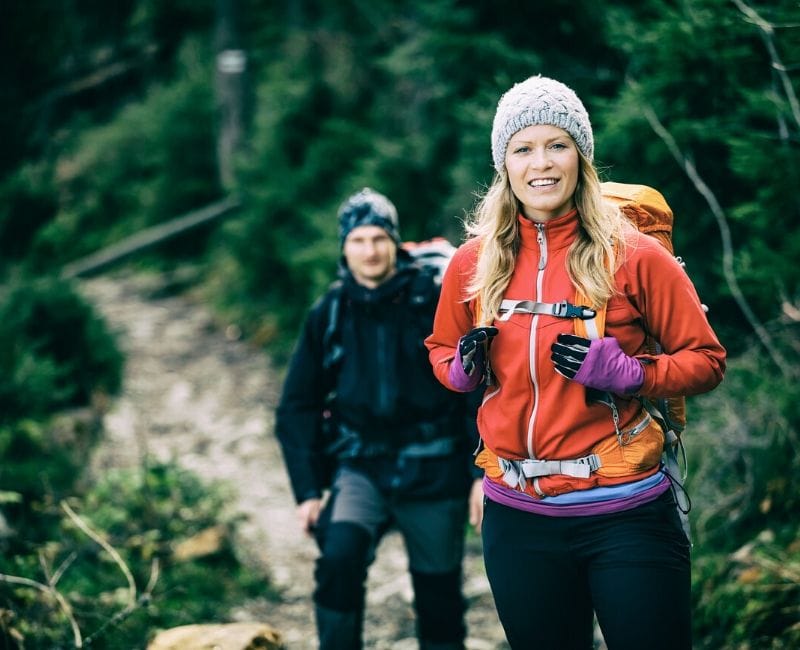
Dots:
pixel 472 347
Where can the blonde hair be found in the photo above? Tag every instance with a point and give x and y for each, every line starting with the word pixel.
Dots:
pixel 591 259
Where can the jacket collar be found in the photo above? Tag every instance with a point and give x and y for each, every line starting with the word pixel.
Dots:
pixel 559 232
pixel 385 291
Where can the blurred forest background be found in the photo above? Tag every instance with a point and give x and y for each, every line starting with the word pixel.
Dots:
pixel 122 116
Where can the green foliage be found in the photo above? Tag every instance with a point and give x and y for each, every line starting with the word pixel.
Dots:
pixel 153 162
pixel 57 352
pixel 38 467
pixel 144 516
pixel 27 192
pixel 85 58
pixel 744 466
pixel 716 90
pixel 749 599
pixel 745 486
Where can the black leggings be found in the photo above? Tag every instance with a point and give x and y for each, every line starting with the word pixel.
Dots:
pixel 550 575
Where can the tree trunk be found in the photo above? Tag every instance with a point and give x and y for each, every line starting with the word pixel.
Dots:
pixel 231 64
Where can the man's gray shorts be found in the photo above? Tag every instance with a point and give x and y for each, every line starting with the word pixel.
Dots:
pixel 433 531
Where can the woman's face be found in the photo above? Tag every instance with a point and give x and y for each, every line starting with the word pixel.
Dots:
pixel 543 165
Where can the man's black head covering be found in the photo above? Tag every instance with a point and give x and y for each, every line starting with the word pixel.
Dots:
pixel 368 208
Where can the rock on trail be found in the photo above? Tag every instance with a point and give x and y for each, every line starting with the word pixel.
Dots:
pixel 193 392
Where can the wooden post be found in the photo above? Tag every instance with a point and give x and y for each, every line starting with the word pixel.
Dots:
pixel 231 65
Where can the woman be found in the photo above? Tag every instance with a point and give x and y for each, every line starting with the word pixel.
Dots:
pixel 578 517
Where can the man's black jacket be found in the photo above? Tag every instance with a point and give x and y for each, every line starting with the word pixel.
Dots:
pixel 381 388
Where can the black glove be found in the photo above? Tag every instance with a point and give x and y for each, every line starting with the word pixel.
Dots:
pixel 568 354
pixel 598 363
pixel 472 347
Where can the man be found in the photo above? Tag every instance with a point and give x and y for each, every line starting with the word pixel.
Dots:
pixel 360 394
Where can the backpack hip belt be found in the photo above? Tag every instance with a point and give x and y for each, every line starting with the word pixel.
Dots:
pixel 350 444
pixel 516 473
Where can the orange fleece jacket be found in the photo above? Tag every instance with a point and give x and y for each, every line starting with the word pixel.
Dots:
pixel 532 411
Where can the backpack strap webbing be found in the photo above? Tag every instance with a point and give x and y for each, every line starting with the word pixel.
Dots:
pixel 593 327
pixel 670 413
pixel 331 345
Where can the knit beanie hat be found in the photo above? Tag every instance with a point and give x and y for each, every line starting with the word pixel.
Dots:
pixel 368 208
pixel 539 100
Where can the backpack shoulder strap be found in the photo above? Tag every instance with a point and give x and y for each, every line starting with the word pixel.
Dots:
pixel 648 211
pixel 590 328
pixel 424 287
pixel 332 350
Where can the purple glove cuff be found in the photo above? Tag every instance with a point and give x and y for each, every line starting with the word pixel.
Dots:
pixel 607 367
pixel 459 379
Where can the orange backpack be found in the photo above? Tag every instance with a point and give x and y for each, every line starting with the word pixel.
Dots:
pixel 649 212
pixel 646 209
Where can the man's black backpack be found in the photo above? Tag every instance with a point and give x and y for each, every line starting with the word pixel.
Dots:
pixel 432 257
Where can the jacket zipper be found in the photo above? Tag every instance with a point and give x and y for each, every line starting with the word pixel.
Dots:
pixel 542 241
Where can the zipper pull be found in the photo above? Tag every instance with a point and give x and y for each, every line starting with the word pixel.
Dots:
pixel 542 246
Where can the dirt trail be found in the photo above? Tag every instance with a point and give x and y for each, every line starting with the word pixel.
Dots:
pixel 195 393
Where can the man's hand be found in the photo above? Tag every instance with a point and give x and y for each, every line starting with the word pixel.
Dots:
pixel 308 515
pixel 476 505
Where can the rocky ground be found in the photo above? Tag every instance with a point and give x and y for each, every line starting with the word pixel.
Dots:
pixel 196 393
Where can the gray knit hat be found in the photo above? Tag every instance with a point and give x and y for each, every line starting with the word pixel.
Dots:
pixel 368 208
pixel 539 100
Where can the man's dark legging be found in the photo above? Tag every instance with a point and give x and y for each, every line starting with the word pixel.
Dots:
pixel 549 575
pixel 433 532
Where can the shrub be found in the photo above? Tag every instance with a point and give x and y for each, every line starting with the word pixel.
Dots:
pixel 57 352
pixel 745 488
pixel 144 516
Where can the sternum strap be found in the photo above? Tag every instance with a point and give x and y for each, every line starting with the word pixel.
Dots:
pixel 561 309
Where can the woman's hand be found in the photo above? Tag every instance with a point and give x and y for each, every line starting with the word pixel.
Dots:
pixel 469 365
pixel 597 363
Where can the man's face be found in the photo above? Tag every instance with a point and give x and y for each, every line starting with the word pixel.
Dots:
pixel 371 255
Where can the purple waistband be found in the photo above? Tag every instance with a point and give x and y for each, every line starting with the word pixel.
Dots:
pixel 521 501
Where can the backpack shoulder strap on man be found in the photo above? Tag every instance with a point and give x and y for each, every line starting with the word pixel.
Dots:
pixel 332 349
pixel 431 256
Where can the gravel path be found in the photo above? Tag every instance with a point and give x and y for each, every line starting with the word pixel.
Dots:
pixel 195 393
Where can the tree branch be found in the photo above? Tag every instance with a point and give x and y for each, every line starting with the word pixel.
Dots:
pixel 108 548
pixel 725 234
pixel 62 602
pixel 143 600
pixel 62 568
pixel 767 34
